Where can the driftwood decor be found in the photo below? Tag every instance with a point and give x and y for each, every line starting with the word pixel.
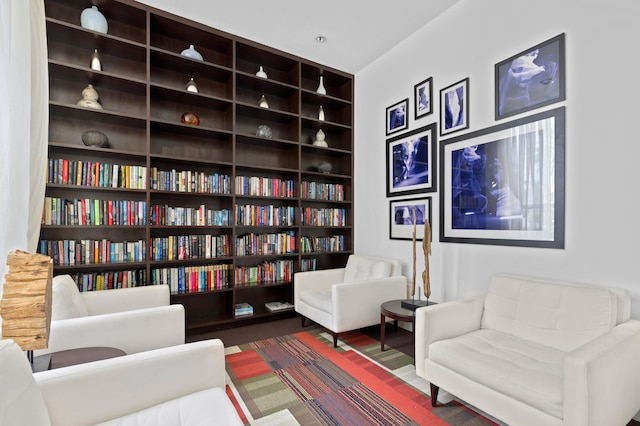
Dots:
pixel 426 248
pixel 26 300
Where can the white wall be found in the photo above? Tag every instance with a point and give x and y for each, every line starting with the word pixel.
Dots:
pixel 602 229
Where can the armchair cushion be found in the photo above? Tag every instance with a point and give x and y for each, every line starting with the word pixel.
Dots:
pixel 360 268
pixel 66 299
pixel 318 299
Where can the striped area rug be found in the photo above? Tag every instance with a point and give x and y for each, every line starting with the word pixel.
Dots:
pixel 301 379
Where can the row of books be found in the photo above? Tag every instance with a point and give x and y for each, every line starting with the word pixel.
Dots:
pixel 190 181
pixel 253 215
pixel 264 186
pixel 324 216
pixel 265 273
pixel 265 244
pixel 308 265
pixel 322 244
pixel 322 191
pixel 164 215
pixel 183 247
pixel 93 252
pixel 62 211
pixel 110 280
pixel 94 173
pixel 194 279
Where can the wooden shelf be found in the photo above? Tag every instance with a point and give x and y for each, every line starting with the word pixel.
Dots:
pixel 143 95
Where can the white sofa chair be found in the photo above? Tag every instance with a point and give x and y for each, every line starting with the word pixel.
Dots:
pixel 131 319
pixel 349 298
pixel 179 385
pixel 535 352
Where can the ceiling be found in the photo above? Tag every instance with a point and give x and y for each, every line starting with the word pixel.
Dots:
pixel 357 31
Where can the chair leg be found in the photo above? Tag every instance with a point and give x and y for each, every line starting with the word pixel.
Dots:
pixel 302 319
pixel 335 340
pixel 434 394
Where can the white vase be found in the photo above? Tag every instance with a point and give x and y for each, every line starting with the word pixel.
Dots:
pixel 321 113
pixel 262 103
pixel 261 73
pixel 92 19
pixel 192 53
pixel 95 63
pixel 321 89
pixel 320 139
pixel 191 86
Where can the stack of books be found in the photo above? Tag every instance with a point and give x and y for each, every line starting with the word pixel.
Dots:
pixel 243 310
pixel 278 306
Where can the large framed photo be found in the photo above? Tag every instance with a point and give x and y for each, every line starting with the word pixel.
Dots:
pixel 401 218
pixel 411 162
pixel 504 185
pixel 397 117
pixel 423 95
pixel 530 79
pixel 454 107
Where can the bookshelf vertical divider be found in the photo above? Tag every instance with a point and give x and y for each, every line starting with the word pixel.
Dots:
pixel 225 211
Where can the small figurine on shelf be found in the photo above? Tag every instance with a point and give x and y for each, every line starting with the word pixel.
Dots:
pixel 95 63
pixel 191 86
pixel 89 98
pixel 320 140
pixel 192 53
pixel 261 73
pixel 190 118
pixel 262 103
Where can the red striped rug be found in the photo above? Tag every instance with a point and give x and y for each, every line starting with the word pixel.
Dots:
pixel 302 379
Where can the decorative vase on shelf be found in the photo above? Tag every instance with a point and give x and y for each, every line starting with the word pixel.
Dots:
pixel 95 138
pixel 262 103
pixel 261 73
pixel 95 63
pixel 89 98
pixel 321 113
pixel 321 89
pixel 320 139
pixel 191 86
pixel 92 19
pixel 190 118
pixel 264 131
pixel 192 53
pixel 325 167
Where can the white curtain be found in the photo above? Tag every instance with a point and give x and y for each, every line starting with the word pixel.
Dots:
pixel 24 125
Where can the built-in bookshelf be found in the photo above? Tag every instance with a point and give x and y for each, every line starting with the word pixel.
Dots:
pixel 220 212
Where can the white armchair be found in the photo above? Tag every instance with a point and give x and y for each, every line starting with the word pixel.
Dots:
pixel 178 385
pixel 131 319
pixel 349 298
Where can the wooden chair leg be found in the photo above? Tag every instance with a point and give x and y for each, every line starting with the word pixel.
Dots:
pixel 434 394
pixel 302 318
pixel 335 340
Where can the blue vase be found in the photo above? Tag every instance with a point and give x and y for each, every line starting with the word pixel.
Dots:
pixel 92 19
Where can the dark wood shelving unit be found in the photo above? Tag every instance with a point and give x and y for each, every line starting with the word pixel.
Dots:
pixel 142 89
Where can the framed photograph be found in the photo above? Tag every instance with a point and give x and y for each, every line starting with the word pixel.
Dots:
pixel 401 218
pixel 530 79
pixel 505 185
pixel 397 117
pixel 411 162
pixel 422 96
pixel 454 107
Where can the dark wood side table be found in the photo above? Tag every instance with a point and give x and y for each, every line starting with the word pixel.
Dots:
pixel 394 310
pixel 77 356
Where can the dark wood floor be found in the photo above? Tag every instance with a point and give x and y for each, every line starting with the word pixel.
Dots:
pixel 401 339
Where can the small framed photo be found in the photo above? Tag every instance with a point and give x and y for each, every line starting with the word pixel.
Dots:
pixel 401 218
pixel 423 95
pixel 397 117
pixel 411 162
pixel 454 107
pixel 530 79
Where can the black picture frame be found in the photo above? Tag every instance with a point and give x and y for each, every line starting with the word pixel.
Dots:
pixel 505 185
pixel 423 98
pixel 411 162
pixel 530 79
pixel 396 117
pixel 401 217
pixel 454 107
